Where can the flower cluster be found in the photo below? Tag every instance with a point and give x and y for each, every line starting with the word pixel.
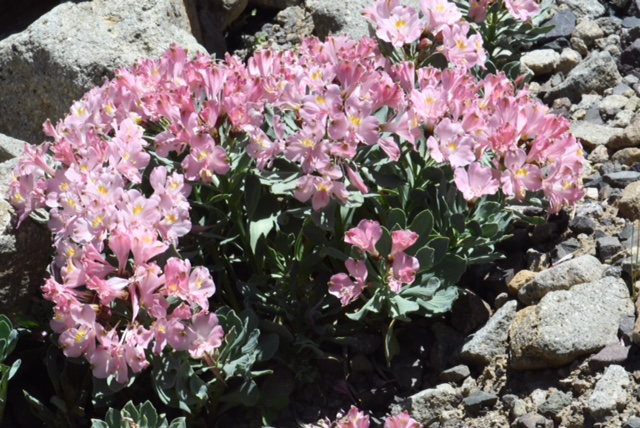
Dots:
pixel 118 175
pixel 398 267
pixel 355 418
pixel 109 231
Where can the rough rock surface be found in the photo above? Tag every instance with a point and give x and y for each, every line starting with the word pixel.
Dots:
pixel 562 277
pixel 596 73
pixel 491 340
pixel 428 405
pixel 73 48
pixel 568 323
pixel 610 393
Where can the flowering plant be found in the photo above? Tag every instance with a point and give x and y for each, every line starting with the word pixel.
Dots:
pixel 269 179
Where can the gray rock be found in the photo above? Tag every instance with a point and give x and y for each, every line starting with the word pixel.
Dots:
pixel 565 249
pixel 426 406
pixel 627 156
pixel 607 247
pixel 630 59
pixel 73 48
pixel 455 374
pixel 600 154
pixel 585 8
pixel 596 73
pixel 564 23
pixel 533 420
pixel 629 202
pixel 583 269
pixel 469 312
pixel 633 422
pixel 610 392
pixel 592 135
pixel 541 62
pixel 610 354
pixel 477 400
pixel 610 25
pixel 632 132
pixel 519 409
pixel 621 179
pixel 331 17
pixel 447 344
pixel 582 224
pixel 569 59
pixel 588 31
pixel 491 340
pixel 624 89
pixel 10 148
pixel 228 11
pixel 553 405
pixel 612 105
pixel 569 323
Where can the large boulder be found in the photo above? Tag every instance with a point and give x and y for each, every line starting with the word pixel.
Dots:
pixel 568 324
pixel 75 47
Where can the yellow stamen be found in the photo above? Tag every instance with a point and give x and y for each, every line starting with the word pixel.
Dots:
pixel 202 156
pixel 80 335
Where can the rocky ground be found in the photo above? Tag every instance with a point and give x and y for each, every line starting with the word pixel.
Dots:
pixel 547 337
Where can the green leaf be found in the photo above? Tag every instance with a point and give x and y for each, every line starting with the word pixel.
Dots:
pixel 422 224
pixel 425 258
pixel 252 190
pixel 398 218
pixel 440 245
pixel 335 253
pixel 268 346
pixel 451 268
pixel 489 230
pixel 457 221
pixel 384 244
pixel 400 307
pixel 261 228
pixel 247 394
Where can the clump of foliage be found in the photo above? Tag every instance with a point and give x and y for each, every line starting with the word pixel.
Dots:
pixel 214 217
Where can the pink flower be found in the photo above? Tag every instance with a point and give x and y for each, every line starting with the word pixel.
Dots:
pixel 201 287
pixel 519 175
pixel 524 10
pixel 401 27
pixel 439 14
pixel 365 236
pixel 401 240
pixel 346 289
pixel 402 420
pixel 404 270
pixel 145 245
pixel 354 419
pixel 205 335
pixel 478 181
pixel 478 10
pixel 81 338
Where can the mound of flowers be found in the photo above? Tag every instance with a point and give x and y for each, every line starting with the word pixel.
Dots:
pixel 338 138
